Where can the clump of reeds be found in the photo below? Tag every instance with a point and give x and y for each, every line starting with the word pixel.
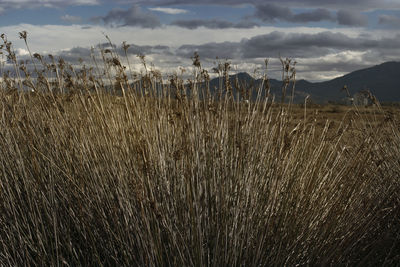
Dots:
pixel 127 169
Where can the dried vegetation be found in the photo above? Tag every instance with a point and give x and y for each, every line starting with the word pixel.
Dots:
pixel 151 173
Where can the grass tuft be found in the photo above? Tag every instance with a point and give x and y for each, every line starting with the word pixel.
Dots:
pixel 126 169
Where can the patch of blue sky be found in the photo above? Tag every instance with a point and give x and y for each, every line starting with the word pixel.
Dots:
pixel 37 16
pixel 85 12
pixel 374 18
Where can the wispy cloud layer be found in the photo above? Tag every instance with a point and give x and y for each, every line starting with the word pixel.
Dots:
pixel 213 24
pixel 168 10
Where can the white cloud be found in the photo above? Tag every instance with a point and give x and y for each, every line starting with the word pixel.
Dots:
pixel 20 52
pixel 168 10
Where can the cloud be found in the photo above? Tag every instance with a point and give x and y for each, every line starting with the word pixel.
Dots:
pixel 168 10
pixel 56 37
pixel 74 54
pixel 134 16
pixel 145 49
pixel 246 24
pixel 226 50
pixel 195 23
pixel 71 19
pixel 20 52
pixel 212 24
pixel 315 15
pixel 389 20
pixel 351 18
pixel 297 45
pixel 23 4
pixel 170 47
pixel 321 56
pixel 271 12
pixel 345 61
pixel 360 5
pixel 294 45
pixel 303 45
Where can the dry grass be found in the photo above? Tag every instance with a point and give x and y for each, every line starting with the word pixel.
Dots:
pixel 93 178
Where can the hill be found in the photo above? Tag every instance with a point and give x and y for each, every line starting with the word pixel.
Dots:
pixel 381 80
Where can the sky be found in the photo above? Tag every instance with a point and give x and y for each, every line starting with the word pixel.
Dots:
pixel 327 38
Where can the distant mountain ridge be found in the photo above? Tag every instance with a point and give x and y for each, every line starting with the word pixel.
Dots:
pixel 382 80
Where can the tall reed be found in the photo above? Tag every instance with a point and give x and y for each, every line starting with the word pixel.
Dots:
pixel 122 171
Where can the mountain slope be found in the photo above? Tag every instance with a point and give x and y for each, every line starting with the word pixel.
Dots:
pixel 382 80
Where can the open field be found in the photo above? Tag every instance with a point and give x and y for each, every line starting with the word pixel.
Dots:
pixel 93 178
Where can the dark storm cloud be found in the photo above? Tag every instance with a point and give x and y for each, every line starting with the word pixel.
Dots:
pixel 145 49
pixel 297 45
pixel 73 55
pixel 211 50
pixel 134 49
pixel 212 24
pixel 271 12
pixel 195 23
pixel 133 16
pixel 351 18
pixel 304 45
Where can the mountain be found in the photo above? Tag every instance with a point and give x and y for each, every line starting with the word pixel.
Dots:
pixel 382 80
pixel 246 81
